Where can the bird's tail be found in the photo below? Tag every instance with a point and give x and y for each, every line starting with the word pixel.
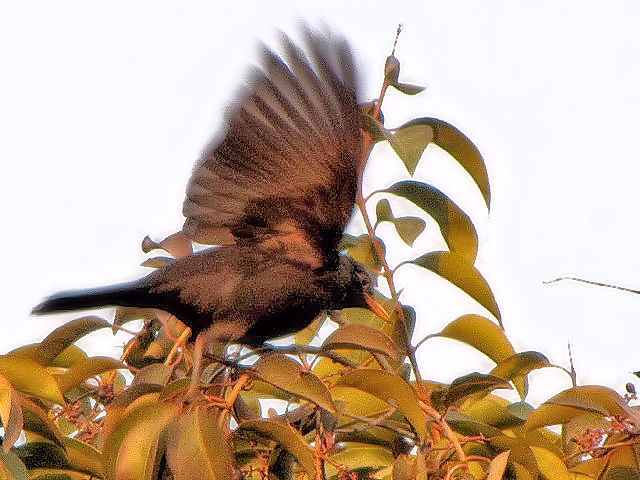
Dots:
pixel 126 295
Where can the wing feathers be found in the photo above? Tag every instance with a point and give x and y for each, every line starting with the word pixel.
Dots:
pixel 288 159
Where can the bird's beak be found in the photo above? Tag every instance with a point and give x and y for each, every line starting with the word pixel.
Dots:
pixel 376 307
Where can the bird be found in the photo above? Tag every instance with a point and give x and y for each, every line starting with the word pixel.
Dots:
pixel 270 197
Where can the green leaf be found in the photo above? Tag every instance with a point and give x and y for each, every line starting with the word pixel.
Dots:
pixel 392 389
pixel 30 377
pixel 471 384
pixel 42 455
pixel 577 400
pixel 550 465
pixel 456 144
pixel 498 466
pixel 288 375
pixel 38 421
pixel 359 456
pixel 383 211
pixel 364 252
pixel 362 337
pixel 83 457
pixel 10 414
pixel 11 467
pixel 133 448
pixel 409 228
pixel 199 448
pixel 88 368
pixel 517 366
pixel 467 425
pixel 407 88
pixel 58 340
pixel 409 142
pixel 287 437
pixel 455 226
pixel 480 333
pixel 463 275
pixel 497 412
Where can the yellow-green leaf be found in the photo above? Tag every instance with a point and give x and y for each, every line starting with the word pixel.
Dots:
pixel 357 456
pixel 362 337
pixel 11 467
pixel 550 466
pixel 482 334
pixel 456 144
pixel 471 384
pixel 288 375
pixel 407 88
pixel 497 466
pixel 383 211
pixel 83 457
pixel 133 448
pixel 199 448
pixel 363 251
pixel 38 421
pixel 10 414
pixel 455 226
pixel 392 389
pixel 577 400
pixel 409 228
pixel 30 377
pixel 62 337
pixel 287 437
pixel 409 142
pixel 516 367
pixel 86 369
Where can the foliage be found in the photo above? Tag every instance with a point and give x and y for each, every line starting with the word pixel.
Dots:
pixel 356 405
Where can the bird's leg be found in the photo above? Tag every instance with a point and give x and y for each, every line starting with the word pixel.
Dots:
pixel 198 349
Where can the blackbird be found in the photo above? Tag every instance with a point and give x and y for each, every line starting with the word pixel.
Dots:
pixel 273 195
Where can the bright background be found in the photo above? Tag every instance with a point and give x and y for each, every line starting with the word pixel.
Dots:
pixel 104 109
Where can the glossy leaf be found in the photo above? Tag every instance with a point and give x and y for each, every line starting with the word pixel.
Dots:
pixel 409 142
pixel 199 447
pixel 83 457
pixel 498 466
pixel 463 275
pixel 407 88
pixel 550 466
pixel 30 377
pixel 287 437
pixel 456 144
pixel 10 414
pixel 362 250
pixel 409 228
pixel 11 467
pixel 91 367
pixel 359 456
pixel 495 411
pixel 38 421
pixel 42 455
pixel 467 425
pixel 455 226
pixel 362 337
pixel 480 333
pixel 383 211
pixel 391 389
pixel 516 367
pixel 62 337
pixel 133 447
pixel 577 400
pixel 471 384
pixel 288 375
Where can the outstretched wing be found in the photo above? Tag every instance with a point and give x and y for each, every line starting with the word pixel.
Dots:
pixel 284 176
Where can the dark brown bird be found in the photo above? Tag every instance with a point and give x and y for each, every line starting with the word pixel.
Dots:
pixel 274 195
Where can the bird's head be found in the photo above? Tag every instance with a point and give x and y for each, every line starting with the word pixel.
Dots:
pixel 355 287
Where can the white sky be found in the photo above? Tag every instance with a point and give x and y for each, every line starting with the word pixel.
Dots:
pixel 104 109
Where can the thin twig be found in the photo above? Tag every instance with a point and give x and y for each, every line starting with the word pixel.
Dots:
pixel 590 282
